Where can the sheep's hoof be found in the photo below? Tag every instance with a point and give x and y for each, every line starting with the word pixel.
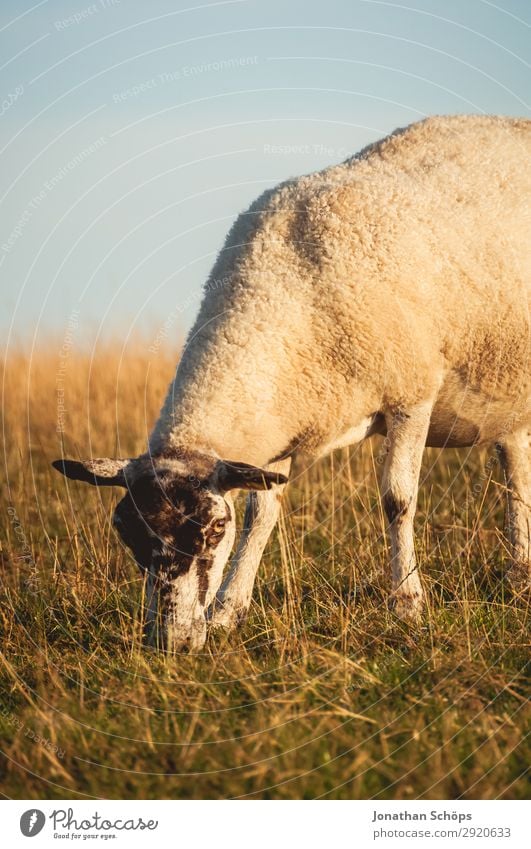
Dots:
pixel 407 606
pixel 519 577
pixel 225 615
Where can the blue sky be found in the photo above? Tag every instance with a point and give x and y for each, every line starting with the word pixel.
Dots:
pixel 134 133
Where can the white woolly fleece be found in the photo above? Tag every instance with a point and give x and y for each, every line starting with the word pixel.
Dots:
pixel 399 275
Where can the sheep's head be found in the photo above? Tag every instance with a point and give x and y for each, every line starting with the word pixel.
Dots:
pixel 178 520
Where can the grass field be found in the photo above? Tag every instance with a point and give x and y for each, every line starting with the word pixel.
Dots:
pixel 322 694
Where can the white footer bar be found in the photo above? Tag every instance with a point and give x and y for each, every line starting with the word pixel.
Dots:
pixel 267 824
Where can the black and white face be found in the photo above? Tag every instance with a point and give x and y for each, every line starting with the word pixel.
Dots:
pixel 181 536
pixel 177 518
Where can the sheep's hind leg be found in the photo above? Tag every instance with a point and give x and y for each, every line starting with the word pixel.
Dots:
pixel 406 435
pixel 514 456
pixel 261 514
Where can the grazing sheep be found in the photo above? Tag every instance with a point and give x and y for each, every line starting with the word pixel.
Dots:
pixel 389 295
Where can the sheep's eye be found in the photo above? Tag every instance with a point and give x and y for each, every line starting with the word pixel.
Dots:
pixel 219 526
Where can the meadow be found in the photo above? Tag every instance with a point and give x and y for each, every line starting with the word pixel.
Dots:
pixel 323 693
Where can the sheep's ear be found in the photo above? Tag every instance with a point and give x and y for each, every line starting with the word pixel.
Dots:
pixel 230 475
pixel 103 471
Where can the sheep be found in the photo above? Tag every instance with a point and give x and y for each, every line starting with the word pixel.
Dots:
pixel 385 295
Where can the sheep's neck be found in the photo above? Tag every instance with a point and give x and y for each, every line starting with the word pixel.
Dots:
pixel 232 418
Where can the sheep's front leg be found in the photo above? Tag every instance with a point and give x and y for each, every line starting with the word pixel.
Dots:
pixel 514 456
pixel 261 514
pixel 406 434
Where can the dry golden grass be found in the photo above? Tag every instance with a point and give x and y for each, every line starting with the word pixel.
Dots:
pixel 323 693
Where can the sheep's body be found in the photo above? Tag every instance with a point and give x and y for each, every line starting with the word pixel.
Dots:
pixel 399 275
pixel 389 293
